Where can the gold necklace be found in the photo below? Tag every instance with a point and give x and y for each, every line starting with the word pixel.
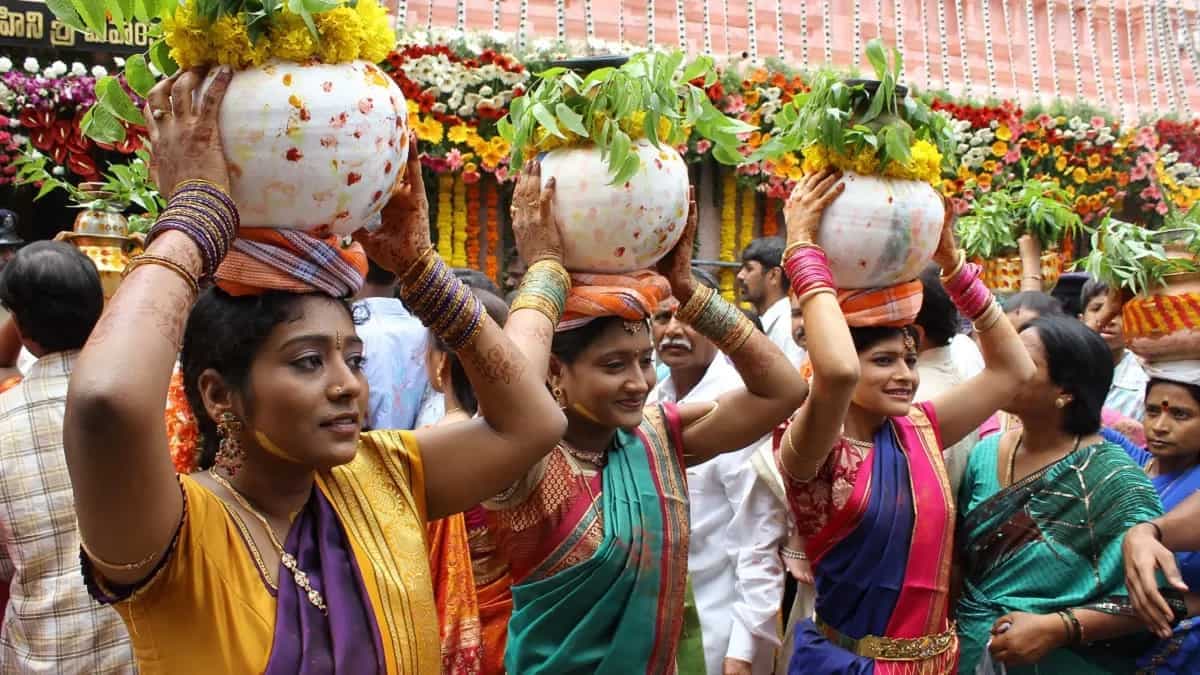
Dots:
pixel 287 559
pixel 595 457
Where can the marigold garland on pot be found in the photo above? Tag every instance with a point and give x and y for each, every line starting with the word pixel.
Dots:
pixel 445 217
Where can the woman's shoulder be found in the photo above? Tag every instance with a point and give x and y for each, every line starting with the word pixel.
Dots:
pixel 387 462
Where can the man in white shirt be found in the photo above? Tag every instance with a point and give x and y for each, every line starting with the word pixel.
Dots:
pixel 394 344
pixel 738 525
pixel 939 367
pixel 762 283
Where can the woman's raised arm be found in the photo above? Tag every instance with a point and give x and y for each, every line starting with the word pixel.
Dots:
pixel 468 462
pixel 127 498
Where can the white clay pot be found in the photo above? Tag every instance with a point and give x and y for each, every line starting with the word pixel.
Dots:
pixel 880 231
pixel 615 229
pixel 313 147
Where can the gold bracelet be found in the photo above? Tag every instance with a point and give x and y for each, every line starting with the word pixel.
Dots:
pixel 538 304
pixel 425 258
pixel 796 246
pixel 695 304
pixel 962 260
pixel 809 295
pixel 989 318
pixel 151 259
pixel 116 566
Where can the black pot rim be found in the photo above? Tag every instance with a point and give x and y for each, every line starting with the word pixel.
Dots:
pixel 586 64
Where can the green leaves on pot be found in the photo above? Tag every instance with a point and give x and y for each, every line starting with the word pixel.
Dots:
pixel 652 96
pixel 999 217
pixel 1139 259
pixel 853 117
pixel 125 185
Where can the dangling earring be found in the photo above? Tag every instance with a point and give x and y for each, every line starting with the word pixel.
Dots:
pixel 229 451
pixel 1060 403
pixel 560 397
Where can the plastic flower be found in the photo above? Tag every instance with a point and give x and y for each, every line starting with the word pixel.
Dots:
pixel 428 130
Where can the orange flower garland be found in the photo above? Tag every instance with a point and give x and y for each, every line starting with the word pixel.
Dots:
pixel 770 226
pixel 183 434
pixel 728 232
pixel 473 225
pixel 749 208
pixel 494 221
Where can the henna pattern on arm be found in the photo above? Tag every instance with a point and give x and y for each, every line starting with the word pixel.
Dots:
pixel 498 364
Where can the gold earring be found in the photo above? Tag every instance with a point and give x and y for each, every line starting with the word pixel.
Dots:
pixel 1060 403
pixel 560 397
pixel 229 451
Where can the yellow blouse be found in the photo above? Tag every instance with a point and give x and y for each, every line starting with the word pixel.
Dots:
pixel 207 609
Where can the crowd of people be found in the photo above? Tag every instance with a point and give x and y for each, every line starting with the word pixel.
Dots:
pixel 396 468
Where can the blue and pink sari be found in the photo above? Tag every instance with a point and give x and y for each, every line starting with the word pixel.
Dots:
pixel 882 563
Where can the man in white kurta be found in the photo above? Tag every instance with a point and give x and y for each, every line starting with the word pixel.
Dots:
pixel 738 525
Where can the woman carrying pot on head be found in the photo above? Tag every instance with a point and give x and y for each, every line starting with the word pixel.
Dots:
pixel 1044 507
pixel 863 465
pixel 1172 462
pixel 596 534
pixel 302 548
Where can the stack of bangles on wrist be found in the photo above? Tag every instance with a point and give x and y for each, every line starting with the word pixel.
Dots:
pixel 443 303
pixel 207 215
pixel 715 319
pixel 807 270
pixel 971 297
pixel 544 289
pixel 1074 628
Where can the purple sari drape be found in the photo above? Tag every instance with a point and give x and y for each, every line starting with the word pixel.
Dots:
pixel 307 642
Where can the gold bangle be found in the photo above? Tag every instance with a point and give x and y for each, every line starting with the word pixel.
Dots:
pixel 425 259
pixel 151 259
pixel 538 304
pixel 989 318
pixel 809 295
pixel 796 246
pixel 737 337
pixel 962 260
pixel 116 566
pixel 695 304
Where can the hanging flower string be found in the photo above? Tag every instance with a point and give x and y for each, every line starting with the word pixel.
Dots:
pixel 445 216
pixel 473 225
pixel 770 224
pixel 494 219
pixel 459 252
pixel 749 199
pixel 1098 75
pixel 728 232
pixel 1137 104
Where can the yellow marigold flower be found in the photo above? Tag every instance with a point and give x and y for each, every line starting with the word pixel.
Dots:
pixel 999 148
pixel 1004 133
pixel 865 163
pixel 1079 174
pixel 378 37
pixel 1093 161
pixel 341 33
pixel 187 35
pixel 815 159
pixel 990 166
pixel 927 162
pixel 414 108
pixel 428 130
pixel 232 46
pixel 459 133
pixel 1060 164
pixel 290 39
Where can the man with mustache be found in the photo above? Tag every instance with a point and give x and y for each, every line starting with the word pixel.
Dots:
pixel 738 525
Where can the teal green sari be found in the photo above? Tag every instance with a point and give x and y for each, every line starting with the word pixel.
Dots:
pixel 620 611
pixel 1049 542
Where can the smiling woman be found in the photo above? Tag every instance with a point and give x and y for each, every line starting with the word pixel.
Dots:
pixel 302 548
pixel 597 532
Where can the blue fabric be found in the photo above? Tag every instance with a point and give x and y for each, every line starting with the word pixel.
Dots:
pixel 394 344
pixel 1135 453
pixel 1181 652
pixel 859 579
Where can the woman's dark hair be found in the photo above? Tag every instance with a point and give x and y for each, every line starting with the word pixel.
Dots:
pixel 866 337
pixel 1034 301
pixel 938 316
pixel 225 333
pixel 459 382
pixel 1081 363
pixel 1192 389
pixel 53 291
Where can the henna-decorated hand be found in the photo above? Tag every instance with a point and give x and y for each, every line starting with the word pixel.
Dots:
pixel 809 199
pixel 534 225
pixel 404 235
pixel 184 133
pixel 676 266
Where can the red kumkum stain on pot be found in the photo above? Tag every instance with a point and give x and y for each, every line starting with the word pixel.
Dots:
pixel 353 178
pixel 377 195
pixel 293 155
pixel 387 168
pixel 326 87
pixel 339 121
pixel 366 105
pixel 305 115
pixel 620 252
pixel 329 142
